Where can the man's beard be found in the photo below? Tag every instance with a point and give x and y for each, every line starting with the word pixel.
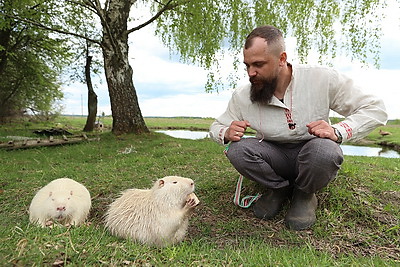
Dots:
pixel 263 90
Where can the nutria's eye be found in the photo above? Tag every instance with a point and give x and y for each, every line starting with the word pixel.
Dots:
pixel 175 182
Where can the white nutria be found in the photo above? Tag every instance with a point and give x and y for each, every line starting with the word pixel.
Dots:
pixel 158 216
pixel 62 201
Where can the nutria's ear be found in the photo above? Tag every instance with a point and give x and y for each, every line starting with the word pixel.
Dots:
pixel 161 183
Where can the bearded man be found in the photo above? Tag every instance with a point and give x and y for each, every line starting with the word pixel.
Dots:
pixel 296 151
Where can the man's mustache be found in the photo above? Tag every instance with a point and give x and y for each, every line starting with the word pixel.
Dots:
pixel 255 80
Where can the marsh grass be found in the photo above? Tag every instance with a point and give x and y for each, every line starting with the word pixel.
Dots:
pixel 358 214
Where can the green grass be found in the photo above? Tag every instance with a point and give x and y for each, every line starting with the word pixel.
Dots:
pixel 358 214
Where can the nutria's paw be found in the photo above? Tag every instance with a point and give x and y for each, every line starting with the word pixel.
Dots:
pixel 194 198
pixel 191 203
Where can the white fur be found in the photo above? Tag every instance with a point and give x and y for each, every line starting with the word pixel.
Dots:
pixel 156 216
pixel 63 200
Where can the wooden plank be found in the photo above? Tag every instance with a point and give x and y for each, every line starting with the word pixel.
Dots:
pixel 28 143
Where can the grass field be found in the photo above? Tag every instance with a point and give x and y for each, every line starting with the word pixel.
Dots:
pixel 358 219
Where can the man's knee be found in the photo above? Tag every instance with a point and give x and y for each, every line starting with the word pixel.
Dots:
pixel 242 146
pixel 319 161
pixel 322 151
pixel 237 150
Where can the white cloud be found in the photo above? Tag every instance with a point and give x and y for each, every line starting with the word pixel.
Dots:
pixel 152 65
pixel 196 105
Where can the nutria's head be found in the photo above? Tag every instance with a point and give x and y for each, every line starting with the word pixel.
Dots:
pixel 175 188
pixel 60 207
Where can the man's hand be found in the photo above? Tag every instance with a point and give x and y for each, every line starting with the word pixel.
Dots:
pixel 322 129
pixel 236 130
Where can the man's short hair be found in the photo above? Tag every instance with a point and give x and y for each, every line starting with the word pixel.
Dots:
pixel 271 34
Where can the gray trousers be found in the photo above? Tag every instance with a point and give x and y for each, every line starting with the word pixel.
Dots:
pixel 308 166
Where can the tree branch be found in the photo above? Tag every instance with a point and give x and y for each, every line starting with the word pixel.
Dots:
pixel 167 6
pixel 16 86
pixel 40 25
pixel 84 5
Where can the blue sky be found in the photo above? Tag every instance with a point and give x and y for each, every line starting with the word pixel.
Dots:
pixel 166 87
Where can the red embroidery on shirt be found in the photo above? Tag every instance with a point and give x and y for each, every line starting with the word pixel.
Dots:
pixel 220 135
pixel 348 129
pixel 288 113
pixel 289 119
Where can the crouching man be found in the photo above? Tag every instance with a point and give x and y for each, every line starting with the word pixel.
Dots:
pixel 296 150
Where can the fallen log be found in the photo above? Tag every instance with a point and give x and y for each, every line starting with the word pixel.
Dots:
pixel 51 141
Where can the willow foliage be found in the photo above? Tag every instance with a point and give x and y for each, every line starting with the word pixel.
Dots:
pixel 199 30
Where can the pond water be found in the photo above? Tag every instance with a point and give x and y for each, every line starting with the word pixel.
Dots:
pixel 347 149
pixel 185 134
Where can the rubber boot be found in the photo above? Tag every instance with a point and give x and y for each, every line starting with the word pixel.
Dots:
pixel 270 203
pixel 301 214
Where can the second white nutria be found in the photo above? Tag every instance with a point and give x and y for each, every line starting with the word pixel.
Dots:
pixel 158 216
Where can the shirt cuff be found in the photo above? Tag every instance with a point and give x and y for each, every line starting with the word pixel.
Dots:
pixel 345 130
